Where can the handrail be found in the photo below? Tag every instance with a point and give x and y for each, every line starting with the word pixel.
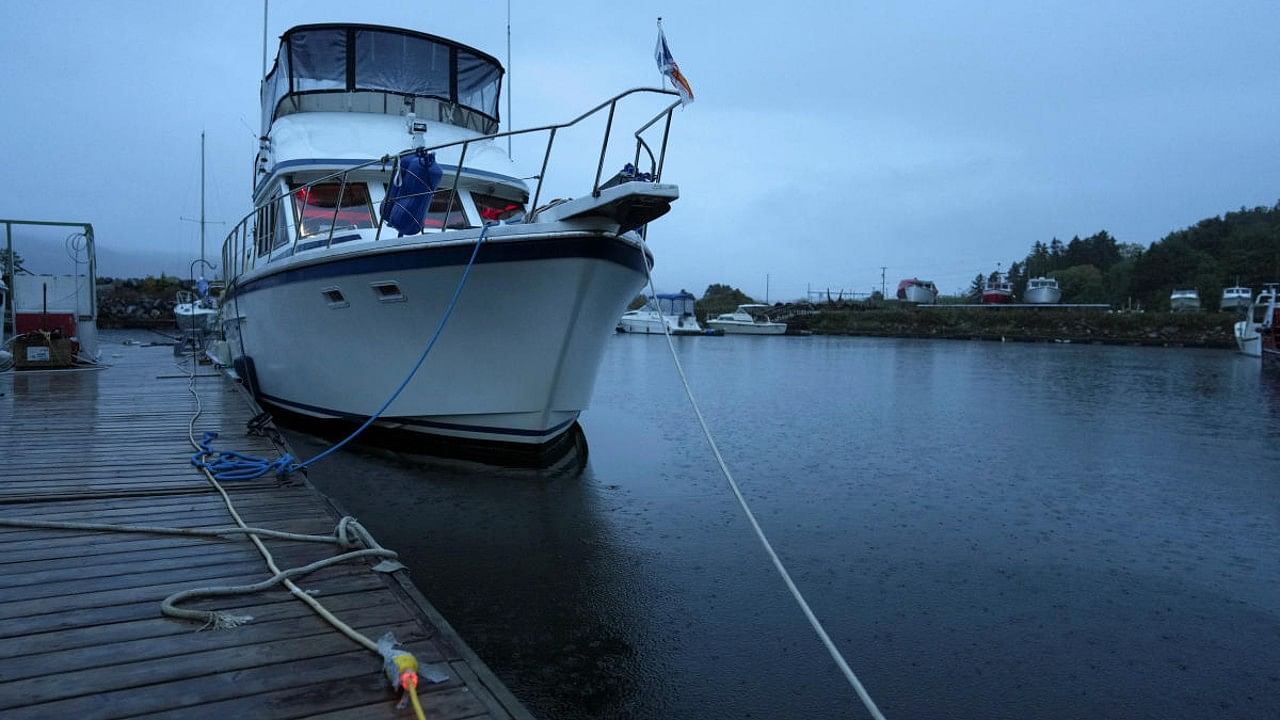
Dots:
pixel 242 241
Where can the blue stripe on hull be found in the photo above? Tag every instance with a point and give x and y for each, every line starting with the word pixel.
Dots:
pixel 410 258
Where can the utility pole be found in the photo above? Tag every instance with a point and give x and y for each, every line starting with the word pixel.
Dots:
pixel 882 286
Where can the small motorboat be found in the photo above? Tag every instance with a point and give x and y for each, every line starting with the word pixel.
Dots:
pixel 675 310
pixel 747 320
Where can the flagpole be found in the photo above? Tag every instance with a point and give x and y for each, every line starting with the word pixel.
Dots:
pixel 664 75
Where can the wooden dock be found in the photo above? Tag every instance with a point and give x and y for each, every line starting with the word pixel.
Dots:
pixel 81 633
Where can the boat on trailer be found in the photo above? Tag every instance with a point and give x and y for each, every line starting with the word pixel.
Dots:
pixel 377 179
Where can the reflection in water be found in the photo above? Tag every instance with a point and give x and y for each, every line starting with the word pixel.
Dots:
pixel 486 545
pixel 997 530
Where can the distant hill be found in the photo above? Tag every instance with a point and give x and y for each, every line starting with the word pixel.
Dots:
pixel 1214 253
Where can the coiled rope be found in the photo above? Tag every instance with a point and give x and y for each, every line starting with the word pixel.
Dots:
pixel 849 675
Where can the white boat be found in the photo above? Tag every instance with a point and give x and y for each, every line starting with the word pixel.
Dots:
pixel 1248 332
pixel 1184 301
pixel 339 278
pixel 1235 298
pixel 195 315
pixel 747 320
pixel 1043 291
pixel 920 292
pixel 675 310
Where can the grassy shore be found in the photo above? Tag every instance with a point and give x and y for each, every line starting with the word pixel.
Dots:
pixel 1210 330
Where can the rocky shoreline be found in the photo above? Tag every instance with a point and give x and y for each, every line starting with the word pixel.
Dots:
pixel 1205 330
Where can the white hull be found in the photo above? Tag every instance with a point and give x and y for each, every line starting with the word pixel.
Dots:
pixel 650 323
pixel 195 319
pixel 1184 305
pixel 501 371
pixel 1248 341
pixel 920 295
pixel 1043 296
pixel 734 327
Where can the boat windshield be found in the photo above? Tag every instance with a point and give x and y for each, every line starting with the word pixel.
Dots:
pixel 367 68
pixel 675 304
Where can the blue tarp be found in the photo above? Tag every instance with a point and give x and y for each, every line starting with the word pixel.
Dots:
pixel 409 197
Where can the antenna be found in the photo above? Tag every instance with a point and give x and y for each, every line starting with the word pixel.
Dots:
pixel 510 127
pixel 882 285
pixel 264 39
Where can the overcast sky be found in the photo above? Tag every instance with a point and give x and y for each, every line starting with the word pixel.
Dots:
pixel 827 139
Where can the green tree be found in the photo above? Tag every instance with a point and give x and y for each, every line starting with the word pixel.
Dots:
pixel 1081 284
pixel 975 290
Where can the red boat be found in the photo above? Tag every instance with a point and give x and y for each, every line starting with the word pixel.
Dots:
pixel 998 290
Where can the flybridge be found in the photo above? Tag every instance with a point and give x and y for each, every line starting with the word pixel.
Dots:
pixel 375 69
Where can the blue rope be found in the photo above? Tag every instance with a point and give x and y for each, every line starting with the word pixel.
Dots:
pixel 230 465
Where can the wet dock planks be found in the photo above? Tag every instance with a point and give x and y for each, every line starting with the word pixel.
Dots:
pixel 81 634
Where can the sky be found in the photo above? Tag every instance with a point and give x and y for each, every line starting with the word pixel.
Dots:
pixel 827 139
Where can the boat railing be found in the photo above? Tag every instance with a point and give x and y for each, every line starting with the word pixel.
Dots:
pixel 240 252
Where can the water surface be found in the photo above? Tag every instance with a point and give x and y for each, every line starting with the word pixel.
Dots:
pixel 988 530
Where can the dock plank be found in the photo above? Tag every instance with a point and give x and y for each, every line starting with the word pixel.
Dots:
pixel 81 634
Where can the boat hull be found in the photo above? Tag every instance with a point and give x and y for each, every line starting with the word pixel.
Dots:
pixel 747 328
pixel 919 295
pixel 652 325
pixel 496 374
pixel 195 319
pixel 990 297
pixel 1248 341
pixel 1043 296
pixel 1184 305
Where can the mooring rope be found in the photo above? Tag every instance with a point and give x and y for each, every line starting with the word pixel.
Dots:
pixel 230 465
pixel 849 675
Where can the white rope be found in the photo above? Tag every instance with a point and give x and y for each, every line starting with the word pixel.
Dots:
pixel 222 620
pixel 768 548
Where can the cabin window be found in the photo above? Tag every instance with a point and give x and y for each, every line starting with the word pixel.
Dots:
pixel 439 206
pixel 494 209
pixel 324 207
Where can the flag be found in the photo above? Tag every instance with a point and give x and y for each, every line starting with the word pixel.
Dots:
pixel 668 67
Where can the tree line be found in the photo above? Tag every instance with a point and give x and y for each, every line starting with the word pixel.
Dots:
pixel 1239 247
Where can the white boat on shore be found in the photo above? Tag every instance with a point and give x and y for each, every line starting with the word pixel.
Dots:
pixel 1235 298
pixel 674 310
pixel 1248 332
pixel 1184 301
pixel 920 292
pixel 747 320
pixel 1043 291
pixel 357 246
